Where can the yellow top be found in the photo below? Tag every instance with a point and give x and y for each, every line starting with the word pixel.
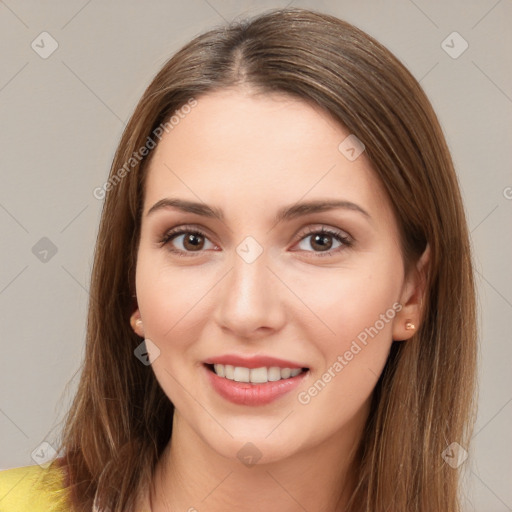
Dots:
pixel 33 489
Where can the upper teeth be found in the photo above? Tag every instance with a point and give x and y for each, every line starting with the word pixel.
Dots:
pixel 255 375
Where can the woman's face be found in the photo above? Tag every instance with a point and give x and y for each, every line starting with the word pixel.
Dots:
pixel 247 280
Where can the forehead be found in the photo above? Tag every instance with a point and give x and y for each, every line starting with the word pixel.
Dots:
pixel 243 152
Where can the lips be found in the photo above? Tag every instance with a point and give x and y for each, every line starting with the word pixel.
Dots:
pixel 243 393
pixel 256 380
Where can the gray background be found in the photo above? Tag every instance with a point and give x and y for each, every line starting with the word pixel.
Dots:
pixel 62 118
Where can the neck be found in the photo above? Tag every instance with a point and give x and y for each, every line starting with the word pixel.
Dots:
pixel 191 476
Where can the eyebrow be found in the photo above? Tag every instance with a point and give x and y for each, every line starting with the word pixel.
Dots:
pixel 284 214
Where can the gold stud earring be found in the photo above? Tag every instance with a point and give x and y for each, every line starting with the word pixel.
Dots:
pixel 410 326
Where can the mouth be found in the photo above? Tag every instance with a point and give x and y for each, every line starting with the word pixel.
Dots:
pixel 259 386
pixel 255 376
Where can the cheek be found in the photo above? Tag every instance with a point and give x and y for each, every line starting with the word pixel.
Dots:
pixel 172 301
pixel 359 305
pixel 349 302
pixel 352 359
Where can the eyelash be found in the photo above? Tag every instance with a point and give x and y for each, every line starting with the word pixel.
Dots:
pixel 185 230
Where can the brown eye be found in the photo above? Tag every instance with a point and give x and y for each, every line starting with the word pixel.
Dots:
pixel 183 241
pixel 193 241
pixel 323 242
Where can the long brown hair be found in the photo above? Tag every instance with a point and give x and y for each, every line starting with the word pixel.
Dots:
pixel 121 420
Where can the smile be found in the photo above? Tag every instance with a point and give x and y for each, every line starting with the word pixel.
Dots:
pixel 253 386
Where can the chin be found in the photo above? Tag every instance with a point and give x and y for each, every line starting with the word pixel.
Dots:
pixel 255 440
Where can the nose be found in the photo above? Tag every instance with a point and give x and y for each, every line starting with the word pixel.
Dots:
pixel 250 300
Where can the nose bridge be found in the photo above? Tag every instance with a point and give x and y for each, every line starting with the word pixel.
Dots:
pixel 249 298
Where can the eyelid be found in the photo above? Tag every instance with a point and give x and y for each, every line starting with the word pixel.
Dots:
pixel 316 228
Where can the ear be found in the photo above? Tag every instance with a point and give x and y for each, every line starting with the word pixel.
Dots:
pixel 136 323
pixel 407 321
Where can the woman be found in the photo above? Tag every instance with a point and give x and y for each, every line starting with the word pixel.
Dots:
pixel 282 311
